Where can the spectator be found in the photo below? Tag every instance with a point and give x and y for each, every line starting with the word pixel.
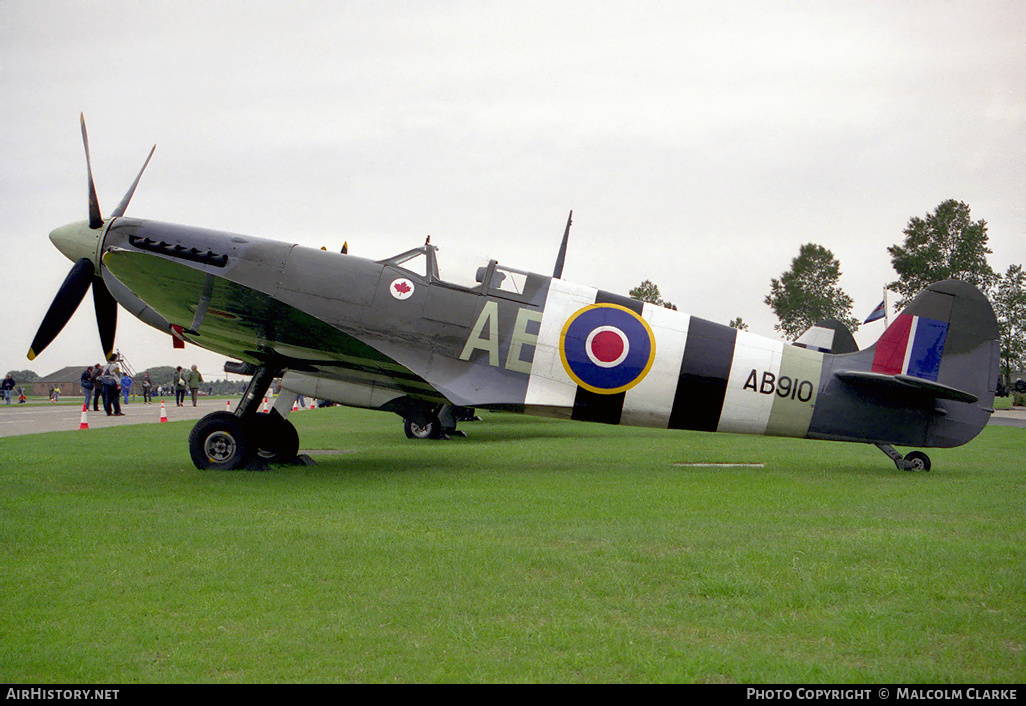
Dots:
pixel 87 384
pixel 179 383
pixel 97 386
pixel 126 386
pixel 195 380
pixel 111 378
pixel 6 387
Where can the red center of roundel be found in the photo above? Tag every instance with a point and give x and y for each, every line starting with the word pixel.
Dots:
pixel 607 346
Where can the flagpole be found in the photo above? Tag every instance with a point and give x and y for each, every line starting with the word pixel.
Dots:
pixel 887 321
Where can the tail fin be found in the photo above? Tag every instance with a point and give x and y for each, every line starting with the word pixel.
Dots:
pixel 947 335
pixel 929 381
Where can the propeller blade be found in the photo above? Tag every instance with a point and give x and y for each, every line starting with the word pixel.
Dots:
pixel 106 315
pixel 557 271
pixel 95 219
pixel 123 206
pixel 69 296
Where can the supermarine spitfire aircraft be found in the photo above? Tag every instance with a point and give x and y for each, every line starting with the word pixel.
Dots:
pixel 394 336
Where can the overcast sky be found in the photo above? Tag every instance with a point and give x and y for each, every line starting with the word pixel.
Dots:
pixel 699 144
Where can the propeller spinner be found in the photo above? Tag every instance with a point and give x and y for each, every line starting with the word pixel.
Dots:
pixel 80 243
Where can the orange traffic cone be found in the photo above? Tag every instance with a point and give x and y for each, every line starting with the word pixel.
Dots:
pixel 312 405
pixel 295 405
pixel 265 404
pixel 227 405
pixel 163 412
pixel 84 424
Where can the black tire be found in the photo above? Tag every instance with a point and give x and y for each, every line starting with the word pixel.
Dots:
pixel 431 430
pixel 276 438
pixel 917 461
pixel 221 441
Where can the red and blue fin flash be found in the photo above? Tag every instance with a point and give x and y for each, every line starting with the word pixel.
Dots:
pixel 913 345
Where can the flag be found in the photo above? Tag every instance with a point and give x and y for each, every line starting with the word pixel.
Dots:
pixel 878 313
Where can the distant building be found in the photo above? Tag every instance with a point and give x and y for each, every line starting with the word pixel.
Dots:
pixel 68 379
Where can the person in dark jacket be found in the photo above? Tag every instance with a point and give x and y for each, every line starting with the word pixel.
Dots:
pixel 111 379
pixel 6 387
pixel 97 386
pixel 87 384
pixel 179 383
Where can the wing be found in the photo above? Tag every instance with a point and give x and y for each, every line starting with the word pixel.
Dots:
pixel 253 326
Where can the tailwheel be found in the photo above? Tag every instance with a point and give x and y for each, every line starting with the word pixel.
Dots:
pixel 276 438
pixel 917 461
pixel 912 461
pixel 221 441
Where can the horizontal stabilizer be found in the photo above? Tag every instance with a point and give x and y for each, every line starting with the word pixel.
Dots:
pixel 905 384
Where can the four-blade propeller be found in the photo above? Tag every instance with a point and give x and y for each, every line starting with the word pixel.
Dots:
pixel 85 272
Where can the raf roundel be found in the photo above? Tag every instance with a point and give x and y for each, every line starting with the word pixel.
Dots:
pixel 607 348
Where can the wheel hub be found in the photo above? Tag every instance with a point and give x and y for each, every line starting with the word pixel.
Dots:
pixel 219 446
pixel 420 431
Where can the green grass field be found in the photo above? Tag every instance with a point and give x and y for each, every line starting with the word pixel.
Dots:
pixel 533 551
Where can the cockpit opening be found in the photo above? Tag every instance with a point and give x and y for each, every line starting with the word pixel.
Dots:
pixel 491 279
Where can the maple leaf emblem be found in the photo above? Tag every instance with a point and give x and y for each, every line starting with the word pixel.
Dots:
pixel 402 287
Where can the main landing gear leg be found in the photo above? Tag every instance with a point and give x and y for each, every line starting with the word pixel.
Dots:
pixel 912 461
pixel 229 441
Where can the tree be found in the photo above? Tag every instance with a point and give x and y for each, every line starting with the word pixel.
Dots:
pixel 738 324
pixel 947 244
pixel 1010 307
pixel 808 293
pixel 647 291
pixel 23 377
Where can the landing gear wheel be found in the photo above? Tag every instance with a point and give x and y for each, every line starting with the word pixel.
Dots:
pixel 430 430
pixel 276 438
pixel 222 442
pixel 917 461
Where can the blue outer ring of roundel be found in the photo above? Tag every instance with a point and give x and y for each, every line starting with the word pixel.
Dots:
pixel 625 374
